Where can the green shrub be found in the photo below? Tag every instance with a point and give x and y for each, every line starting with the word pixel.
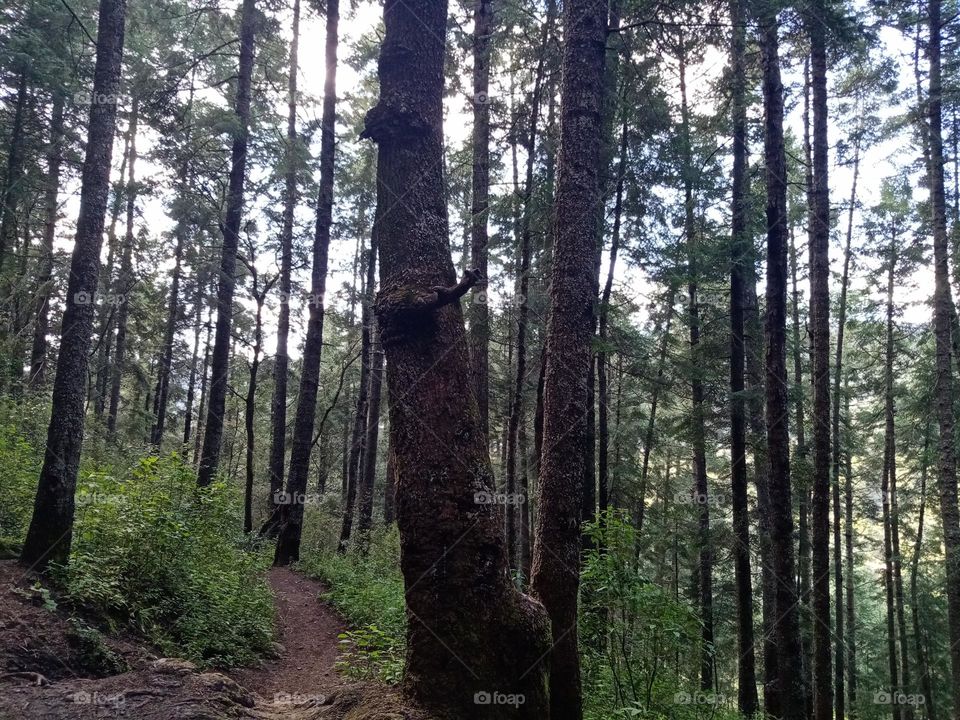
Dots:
pixel 19 469
pixel 368 592
pixel 153 551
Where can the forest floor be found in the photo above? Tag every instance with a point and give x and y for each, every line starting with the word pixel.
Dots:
pixel 51 669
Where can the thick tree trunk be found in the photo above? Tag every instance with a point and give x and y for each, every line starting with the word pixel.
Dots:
pixel 943 388
pixel 478 313
pixel 741 253
pixel 121 299
pixel 820 341
pixel 41 325
pixel 281 362
pixel 569 335
pixel 789 688
pixel 469 632
pixel 51 527
pixel 220 359
pixel 291 514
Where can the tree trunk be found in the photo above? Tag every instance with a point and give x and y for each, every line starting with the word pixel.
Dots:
pixel 789 689
pixel 359 434
pixel 12 189
pixel 41 326
pixel 923 663
pixel 121 299
pixel 460 601
pixel 840 645
pixel 291 515
pixel 250 410
pixel 365 504
pixel 198 435
pixel 281 366
pixel 49 537
pixel 192 380
pixel 220 359
pixel 851 616
pixel 569 337
pixel 478 310
pixel 888 460
pixel 820 341
pixel 943 388
pixel 741 253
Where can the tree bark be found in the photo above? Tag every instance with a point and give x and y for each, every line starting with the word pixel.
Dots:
pixel 741 253
pixel 291 515
pixel 820 330
pixel 192 380
pixel 943 387
pixel 220 358
pixel 281 361
pixel 41 325
pixel 478 313
pixel 365 504
pixel 923 662
pixel 789 689
pixel 569 335
pixel 250 407
pixel 460 600
pixel 50 533
pixel 851 616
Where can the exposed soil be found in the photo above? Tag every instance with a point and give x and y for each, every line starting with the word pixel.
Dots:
pixel 45 674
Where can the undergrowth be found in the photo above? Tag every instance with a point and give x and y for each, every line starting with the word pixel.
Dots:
pixel 151 552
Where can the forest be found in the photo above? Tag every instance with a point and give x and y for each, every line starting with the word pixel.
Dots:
pixel 536 359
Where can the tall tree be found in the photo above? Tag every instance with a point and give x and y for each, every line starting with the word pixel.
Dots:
pixel 820 352
pixel 291 515
pixel 470 610
pixel 942 319
pixel 281 359
pixel 479 312
pixel 51 527
pixel 786 626
pixel 741 253
pixel 220 357
pixel 569 335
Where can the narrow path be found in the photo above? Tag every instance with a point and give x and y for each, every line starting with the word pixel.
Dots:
pixel 308 631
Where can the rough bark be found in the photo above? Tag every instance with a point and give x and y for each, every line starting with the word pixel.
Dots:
pixel 41 325
pixel 820 350
pixel 741 253
pixel 291 514
pixel 923 662
pixel 789 689
pixel 220 357
pixel 478 313
pixel 50 533
pixel 468 631
pixel 281 360
pixel 365 502
pixel 943 387
pixel 556 557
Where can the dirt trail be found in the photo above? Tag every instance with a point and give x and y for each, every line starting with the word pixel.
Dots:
pixel 308 630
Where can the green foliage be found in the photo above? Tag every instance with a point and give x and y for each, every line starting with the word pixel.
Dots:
pixel 19 469
pixel 368 591
pixel 638 642
pixel 153 551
